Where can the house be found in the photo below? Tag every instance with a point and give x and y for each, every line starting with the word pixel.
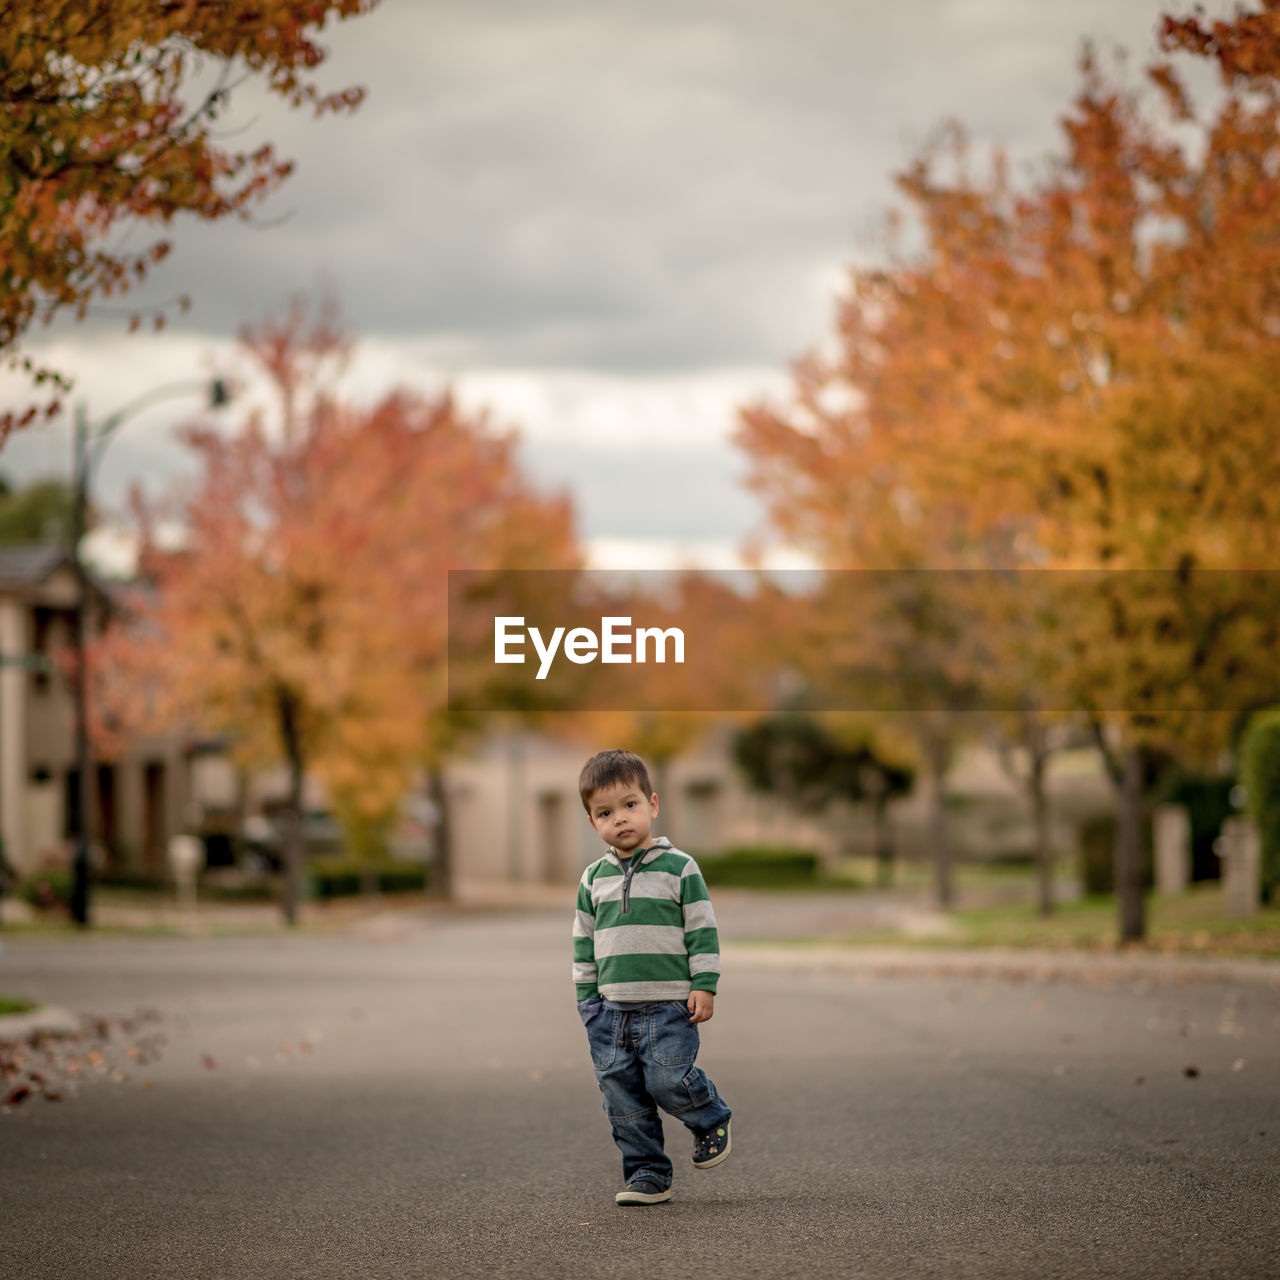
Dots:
pixel 139 801
pixel 515 814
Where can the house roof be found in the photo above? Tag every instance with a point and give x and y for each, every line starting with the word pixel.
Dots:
pixel 29 564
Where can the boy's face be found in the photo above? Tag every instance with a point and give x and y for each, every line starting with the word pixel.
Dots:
pixel 623 815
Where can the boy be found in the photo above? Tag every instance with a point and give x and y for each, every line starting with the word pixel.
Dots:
pixel 645 962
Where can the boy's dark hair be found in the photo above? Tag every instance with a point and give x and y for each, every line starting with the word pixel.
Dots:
pixel 610 768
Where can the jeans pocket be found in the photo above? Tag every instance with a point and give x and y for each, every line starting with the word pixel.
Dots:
pixel 588 1008
pixel 601 1037
pixel 699 1086
pixel 673 1038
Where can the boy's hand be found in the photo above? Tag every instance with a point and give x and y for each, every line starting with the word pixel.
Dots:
pixel 702 1005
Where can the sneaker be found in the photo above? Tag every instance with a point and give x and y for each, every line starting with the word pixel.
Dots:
pixel 711 1146
pixel 643 1191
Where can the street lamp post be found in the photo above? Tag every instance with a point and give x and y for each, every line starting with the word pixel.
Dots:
pixel 89 447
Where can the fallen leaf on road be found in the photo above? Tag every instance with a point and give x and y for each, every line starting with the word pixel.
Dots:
pixel 1139 1079
pixel 1191 1072
pixel 208 1062
pixel 1238 1065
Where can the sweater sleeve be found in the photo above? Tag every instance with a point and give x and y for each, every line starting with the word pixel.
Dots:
pixel 584 943
pixel 701 941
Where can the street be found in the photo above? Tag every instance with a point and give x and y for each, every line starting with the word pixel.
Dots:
pixel 413 1098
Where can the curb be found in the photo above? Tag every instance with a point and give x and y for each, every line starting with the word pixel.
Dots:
pixel 48 1018
pixel 1040 966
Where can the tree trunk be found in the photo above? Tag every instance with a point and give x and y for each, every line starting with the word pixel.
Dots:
pixel 1128 864
pixel 440 877
pixel 1044 854
pixel 291 889
pixel 661 775
pixel 884 842
pixel 938 823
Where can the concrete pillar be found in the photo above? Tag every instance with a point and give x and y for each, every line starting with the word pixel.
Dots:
pixel 1240 850
pixel 1172 829
pixel 14 680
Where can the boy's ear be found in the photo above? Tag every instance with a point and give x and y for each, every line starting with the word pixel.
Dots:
pixel 653 805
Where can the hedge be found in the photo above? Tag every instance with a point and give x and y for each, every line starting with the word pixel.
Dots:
pixel 345 877
pixel 759 866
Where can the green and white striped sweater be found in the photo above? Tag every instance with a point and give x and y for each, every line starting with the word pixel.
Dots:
pixel 644 931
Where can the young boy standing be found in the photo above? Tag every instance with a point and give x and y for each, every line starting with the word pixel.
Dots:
pixel 646 958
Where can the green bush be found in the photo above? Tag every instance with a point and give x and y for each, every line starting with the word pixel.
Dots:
pixel 48 889
pixel 1260 775
pixel 760 867
pixel 345 877
pixel 1097 853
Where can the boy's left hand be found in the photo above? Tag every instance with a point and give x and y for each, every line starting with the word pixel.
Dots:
pixel 702 1004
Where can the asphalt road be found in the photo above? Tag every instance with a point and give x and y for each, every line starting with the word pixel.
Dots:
pixel 415 1100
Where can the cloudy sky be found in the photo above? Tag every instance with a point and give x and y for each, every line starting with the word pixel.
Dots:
pixel 610 222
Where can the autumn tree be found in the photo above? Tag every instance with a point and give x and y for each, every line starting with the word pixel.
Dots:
pixel 1076 374
pixel 305 613
pixel 96 131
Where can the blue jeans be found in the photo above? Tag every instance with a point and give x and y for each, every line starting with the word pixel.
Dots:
pixel 643 1060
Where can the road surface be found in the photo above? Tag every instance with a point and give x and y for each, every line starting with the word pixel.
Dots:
pixel 413 1098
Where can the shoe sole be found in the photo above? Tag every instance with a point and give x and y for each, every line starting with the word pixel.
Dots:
pixel 641 1198
pixel 724 1155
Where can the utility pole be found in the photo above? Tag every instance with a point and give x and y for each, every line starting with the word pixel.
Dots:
pixel 88 449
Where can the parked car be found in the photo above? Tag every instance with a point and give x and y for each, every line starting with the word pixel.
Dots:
pixel 262 836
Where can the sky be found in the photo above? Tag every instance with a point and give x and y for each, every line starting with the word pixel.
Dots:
pixel 610 224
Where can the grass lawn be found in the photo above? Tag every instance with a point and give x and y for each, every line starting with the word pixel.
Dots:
pixel 1192 923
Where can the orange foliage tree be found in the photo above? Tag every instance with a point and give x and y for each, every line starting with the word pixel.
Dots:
pixel 1077 375
pixel 305 613
pixel 94 129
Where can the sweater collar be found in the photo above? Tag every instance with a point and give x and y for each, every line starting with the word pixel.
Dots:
pixel 647 854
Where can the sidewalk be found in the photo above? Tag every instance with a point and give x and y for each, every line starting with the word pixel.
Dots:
pixel 164 913
pixel 1007 964
pixel 777 926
